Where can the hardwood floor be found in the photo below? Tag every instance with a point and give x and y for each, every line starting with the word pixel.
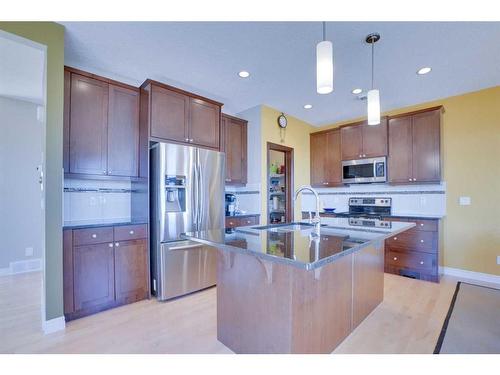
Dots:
pixel 408 321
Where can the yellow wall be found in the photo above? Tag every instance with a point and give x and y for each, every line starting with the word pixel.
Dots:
pixel 296 137
pixel 51 35
pixel 471 167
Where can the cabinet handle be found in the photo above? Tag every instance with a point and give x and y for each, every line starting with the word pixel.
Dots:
pixel 364 155
pixel 94 235
pixel 414 179
pixel 421 241
pixel 421 262
pixel 248 221
pixel 228 180
pixel 191 140
pixel 131 232
pixel 110 244
pixel 117 244
pixel 325 183
pixel 409 179
pixel 421 224
pixel 395 238
pixel 186 139
pixel 395 258
pixel 230 223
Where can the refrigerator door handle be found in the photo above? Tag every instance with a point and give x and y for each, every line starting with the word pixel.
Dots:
pixel 201 196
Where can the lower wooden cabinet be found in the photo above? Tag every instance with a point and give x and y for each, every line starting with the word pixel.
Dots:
pixel 241 221
pixel 103 268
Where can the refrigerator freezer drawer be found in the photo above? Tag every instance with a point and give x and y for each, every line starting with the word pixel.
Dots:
pixel 186 267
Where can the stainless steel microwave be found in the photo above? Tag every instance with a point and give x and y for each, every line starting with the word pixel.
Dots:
pixel 364 171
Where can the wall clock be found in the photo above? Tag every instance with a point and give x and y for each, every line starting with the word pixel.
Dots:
pixel 282 121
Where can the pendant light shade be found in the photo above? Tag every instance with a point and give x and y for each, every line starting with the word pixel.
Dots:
pixel 324 65
pixel 373 98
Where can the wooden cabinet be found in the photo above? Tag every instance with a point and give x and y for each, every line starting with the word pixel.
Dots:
pixel 131 270
pixel 326 169
pixel 101 126
pixel 123 131
pixel 234 144
pixel 241 221
pixel 104 267
pixel 179 116
pixel 360 140
pixel 414 147
pixel 88 136
pixel 415 252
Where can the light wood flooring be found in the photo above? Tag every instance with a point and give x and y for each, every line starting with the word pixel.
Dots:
pixel 409 320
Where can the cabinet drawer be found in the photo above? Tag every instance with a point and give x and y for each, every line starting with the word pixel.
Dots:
pixel 414 241
pixel 235 221
pixel 425 224
pixel 130 232
pixel 411 259
pixel 89 236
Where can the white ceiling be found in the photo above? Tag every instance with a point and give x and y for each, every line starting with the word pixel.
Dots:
pixel 22 68
pixel 205 57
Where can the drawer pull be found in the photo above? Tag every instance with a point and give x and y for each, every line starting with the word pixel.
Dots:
pixel 228 180
pixel 395 258
pixel 421 224
pixel 110 244
pixel 395 238
pixel 231 223
pixel 131 232
pixel 94 235
pixel 421 262
pixel 117 244
pixel 248 221
pixel 422 241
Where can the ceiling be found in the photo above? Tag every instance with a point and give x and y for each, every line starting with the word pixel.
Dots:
pixel 205 57
pixel 22 69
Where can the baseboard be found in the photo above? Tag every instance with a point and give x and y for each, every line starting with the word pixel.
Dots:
pixel 471 275
pixel 54 325
pixel 22 266
pixel 5 271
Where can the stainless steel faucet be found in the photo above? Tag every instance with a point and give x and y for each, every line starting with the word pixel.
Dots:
pixel 316 220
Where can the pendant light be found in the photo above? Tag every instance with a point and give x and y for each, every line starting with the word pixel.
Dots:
pixel 373 96
pixel 324 65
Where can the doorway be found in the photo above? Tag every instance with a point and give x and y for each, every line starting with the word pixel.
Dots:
pixel 279 183
pixel 22 192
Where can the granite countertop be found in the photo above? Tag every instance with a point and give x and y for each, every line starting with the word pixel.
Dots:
pixel 82 224
pixel 297 247
pixel 394 214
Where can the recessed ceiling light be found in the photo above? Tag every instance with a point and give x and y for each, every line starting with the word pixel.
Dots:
pixel 308 106
pixel 244 74
pixel 357 91
pixel 423 71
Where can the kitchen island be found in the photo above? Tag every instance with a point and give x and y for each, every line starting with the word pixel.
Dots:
pixel 296 288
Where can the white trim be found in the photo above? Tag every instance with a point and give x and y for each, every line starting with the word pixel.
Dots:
pixel 54 325
pixel 471 275
pixel 5 271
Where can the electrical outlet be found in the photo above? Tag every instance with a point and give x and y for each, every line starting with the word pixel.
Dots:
pixel 498 259
pixel 28 252
pixel 464 201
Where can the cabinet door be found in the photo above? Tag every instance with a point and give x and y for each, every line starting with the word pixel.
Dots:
pixel 426 146
pixel 69 306
pixel 399 162
pixel 169 114
pixel 131 281
pixel 375 139
pixel 204 124
pixel 351 142
pixel 319 150
pixel 94 276
pixel 123 132
pixel 333 159
pixel 235 147
pixel 88 125
pixel 67 102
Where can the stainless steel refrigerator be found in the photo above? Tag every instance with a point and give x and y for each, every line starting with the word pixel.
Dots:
pixel 187 194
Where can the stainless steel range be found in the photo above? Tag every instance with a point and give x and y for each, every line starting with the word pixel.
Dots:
pixel 368 212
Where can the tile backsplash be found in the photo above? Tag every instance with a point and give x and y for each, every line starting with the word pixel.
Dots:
pixel 96 200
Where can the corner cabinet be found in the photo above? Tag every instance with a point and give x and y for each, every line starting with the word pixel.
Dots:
pixel 360 140
pixel 234 144
pixel 326 159
pixel 101 126
pixel 414 147
pixel 178 116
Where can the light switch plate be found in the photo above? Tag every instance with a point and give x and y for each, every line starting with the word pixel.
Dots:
pixel 464 201
pixel 28 252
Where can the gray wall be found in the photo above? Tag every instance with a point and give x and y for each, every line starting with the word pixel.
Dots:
pixel 20 154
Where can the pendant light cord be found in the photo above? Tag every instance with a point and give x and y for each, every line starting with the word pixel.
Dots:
pixel 373 60
pixel 324 31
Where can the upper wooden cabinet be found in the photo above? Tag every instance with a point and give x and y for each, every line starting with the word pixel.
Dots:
pixel 414 147
pixel 101 126
pixel 326 170
pixel 234 144
pixel 179 116
pixel 361 140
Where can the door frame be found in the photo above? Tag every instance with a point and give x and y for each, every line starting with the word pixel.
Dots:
pixel 288 179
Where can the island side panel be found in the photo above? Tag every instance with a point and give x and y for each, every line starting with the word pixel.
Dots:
pixel 368 281
pixel 253 304
pixel 322 306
